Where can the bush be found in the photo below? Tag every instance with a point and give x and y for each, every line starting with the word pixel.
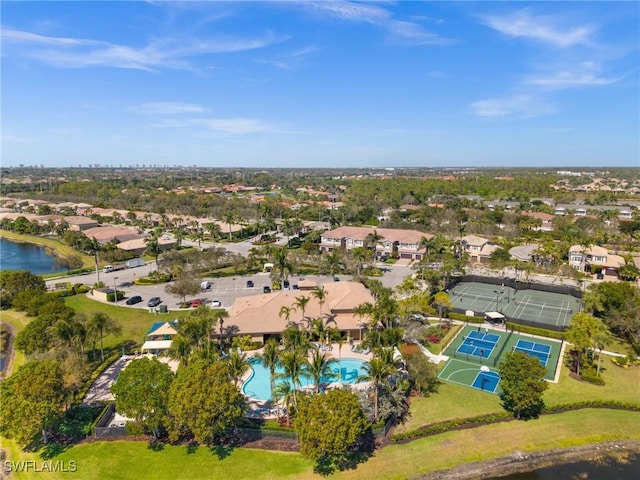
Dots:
pixel 80 288
pixel 111 296
pixel 464 318
pixel 542 332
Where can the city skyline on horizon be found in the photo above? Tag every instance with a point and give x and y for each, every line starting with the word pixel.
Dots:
pixel 332 84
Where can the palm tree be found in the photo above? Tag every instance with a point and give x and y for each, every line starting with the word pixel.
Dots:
pixel 301 303
pixel 270 359
pixel 320 294
pixel 153 247
pixel 213 229
pixel 180 350
pixel 376 371
pixel 229 218
pixel 95 247
pixel 103 325
pixel 371 241
pixel 318 368
pixel 359 256
pixel 285 392
pixel 292 362
pixel 286 312
pixel 333 261
pixel 238 364
pixel 281 266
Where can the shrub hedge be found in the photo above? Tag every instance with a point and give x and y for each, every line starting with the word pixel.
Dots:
pixel 471 422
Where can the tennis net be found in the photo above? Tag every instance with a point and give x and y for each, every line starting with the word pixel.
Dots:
pixel 543 306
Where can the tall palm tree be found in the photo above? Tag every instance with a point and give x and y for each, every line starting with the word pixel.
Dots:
pixel 180 350
pixel 153 247
pixel 292 362
pixel 103 325
pixel 238 364
pixel 286 312
pixel 229 218
pixel 371 241
pixel 318 368
pixel 377 372
pixel 95 248
pixel 359 256
pixel 320 294
pixel 281 265
pixel 213 229
pixel 270 359
pixel 301 303
pixel 284 391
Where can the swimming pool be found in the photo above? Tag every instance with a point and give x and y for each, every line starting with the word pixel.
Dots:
pixel 259 384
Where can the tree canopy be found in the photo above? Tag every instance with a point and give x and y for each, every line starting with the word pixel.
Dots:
pixel 522 383
pixel 203 401
pixel 329 425
pixel 142 394
pixel 30 400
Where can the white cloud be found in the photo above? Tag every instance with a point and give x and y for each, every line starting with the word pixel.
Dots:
pixel 227 126
pixel 546 29
pixel 399 30
pixel 516 106
pixel 169 53
pixel 586 74
pixel 562 80
pixel 167 108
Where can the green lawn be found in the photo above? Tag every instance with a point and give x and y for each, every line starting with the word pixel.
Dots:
pixel 455 401
pixel 126 460
pixel 17 320
pixel 135 322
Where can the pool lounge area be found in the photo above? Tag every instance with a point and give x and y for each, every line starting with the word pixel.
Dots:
pixel 257 382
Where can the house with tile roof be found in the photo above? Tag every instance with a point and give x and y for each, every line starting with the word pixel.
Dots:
pixel 394 242
pixel 259 315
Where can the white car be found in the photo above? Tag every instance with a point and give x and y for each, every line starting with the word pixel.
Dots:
pixel 216 303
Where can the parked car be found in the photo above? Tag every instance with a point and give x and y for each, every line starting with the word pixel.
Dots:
pixel 249 283
pixel 216 303
pixel 133 300
pixel 154 302
pixel 196 303
pixel 266 289
pixel 295 286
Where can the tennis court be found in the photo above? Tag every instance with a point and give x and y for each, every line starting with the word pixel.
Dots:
pixel 534 349
pixel 470 375
pixel 545 309
pixel 468 367
pixel 479 344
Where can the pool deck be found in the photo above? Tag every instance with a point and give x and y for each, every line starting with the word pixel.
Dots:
pixel 266 408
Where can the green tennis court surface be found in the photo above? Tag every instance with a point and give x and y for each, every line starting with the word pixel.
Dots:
pixel 471 369
pixel 545 309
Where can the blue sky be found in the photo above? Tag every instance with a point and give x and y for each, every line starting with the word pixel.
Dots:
pixel 325 84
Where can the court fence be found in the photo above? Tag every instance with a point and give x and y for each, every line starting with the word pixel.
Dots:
pixel 518 285
pixel 510 282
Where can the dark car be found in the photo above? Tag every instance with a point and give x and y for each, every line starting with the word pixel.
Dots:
pixel 154 302
pixel 133 300
pixel 249 283
pixel 285 284
pixel 266 289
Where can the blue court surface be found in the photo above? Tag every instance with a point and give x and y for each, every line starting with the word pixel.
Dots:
pixel 533 349
pixel 479 344
pixel 486 381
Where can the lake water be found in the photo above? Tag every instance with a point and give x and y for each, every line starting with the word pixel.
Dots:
pixel 607 468
pixel 24 256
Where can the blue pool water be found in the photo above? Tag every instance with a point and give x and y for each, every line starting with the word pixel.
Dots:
pixel 259 384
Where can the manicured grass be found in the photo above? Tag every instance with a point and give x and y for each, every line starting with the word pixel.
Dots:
pixel 135 322
pixel 51 243
pixel 451 401
pixel 17 320
pixel 125 460
pixel 621 385
pixel 455 401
